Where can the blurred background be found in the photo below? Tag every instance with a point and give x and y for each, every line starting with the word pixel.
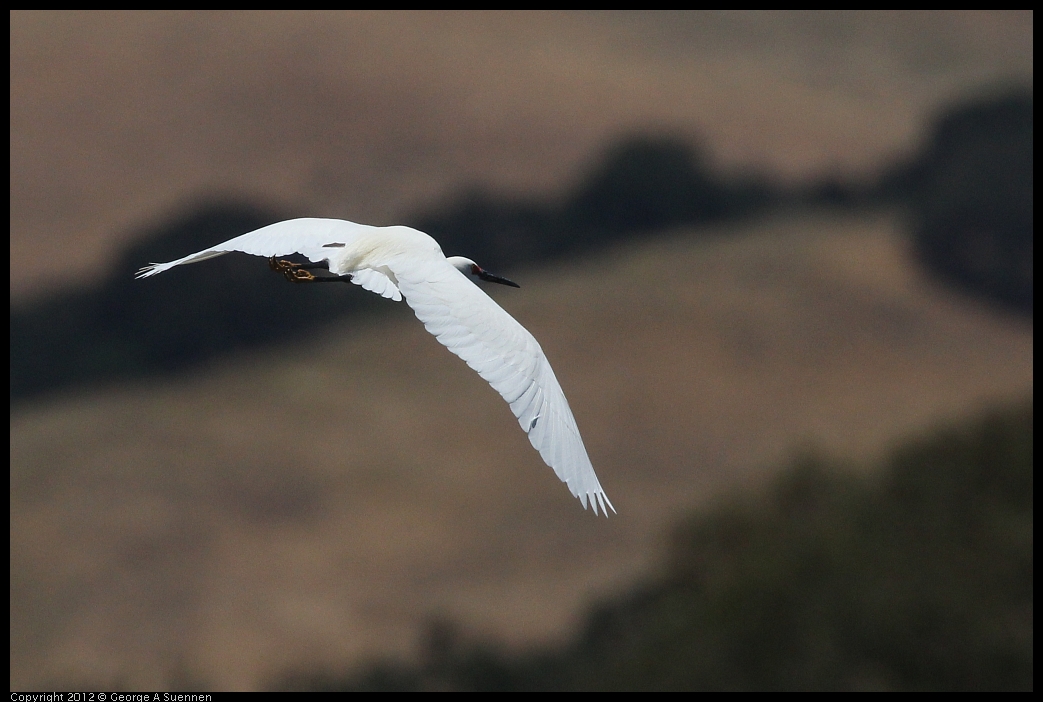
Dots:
pixel 781 262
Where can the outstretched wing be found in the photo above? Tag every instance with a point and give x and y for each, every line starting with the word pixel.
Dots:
pixel 471 325
pixel 315 239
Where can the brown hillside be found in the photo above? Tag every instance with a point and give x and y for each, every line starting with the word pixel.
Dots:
pixel 310 506
pixel 120 118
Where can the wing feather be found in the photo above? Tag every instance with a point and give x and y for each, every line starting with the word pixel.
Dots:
pixel 314 238
pixel 471 325
pixel 310 237
pixel 375 281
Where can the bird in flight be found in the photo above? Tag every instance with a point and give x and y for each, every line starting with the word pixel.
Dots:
pixel 397 262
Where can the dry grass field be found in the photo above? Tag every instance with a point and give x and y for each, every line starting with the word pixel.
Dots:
pixel 120 118
pixel 310 506
pixel 313 505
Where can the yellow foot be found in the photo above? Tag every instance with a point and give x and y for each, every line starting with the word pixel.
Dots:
pixel 292 271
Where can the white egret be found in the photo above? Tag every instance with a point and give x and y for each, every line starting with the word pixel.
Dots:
pixel 399 261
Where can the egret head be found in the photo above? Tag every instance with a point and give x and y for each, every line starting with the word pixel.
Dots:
pixel 475 272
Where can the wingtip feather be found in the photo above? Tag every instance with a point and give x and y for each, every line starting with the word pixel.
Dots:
pixel 597 498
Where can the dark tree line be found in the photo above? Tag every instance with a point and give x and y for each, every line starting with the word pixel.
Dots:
pixel 917 576
pixel 970 194
pixel 122 328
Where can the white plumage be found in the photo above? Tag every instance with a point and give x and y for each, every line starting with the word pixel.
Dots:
pixel 399 261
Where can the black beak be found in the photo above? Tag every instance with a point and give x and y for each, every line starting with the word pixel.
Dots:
pixel 489 277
